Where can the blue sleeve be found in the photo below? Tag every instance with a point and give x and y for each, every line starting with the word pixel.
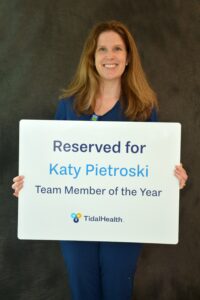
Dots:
pixel 61 111
pixel 154 116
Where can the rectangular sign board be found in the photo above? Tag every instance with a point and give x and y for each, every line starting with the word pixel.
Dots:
pixel 99 181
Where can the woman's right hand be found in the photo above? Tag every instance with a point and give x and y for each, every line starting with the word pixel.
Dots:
pixel 17 185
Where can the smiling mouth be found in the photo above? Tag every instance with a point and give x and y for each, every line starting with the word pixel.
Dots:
pixel 110 66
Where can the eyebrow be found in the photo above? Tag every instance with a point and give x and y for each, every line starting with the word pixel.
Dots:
pixel 117 45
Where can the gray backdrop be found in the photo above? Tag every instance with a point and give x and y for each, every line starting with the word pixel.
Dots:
pixel 40 45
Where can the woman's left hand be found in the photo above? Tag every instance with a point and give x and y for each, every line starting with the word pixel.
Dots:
pixel 181 174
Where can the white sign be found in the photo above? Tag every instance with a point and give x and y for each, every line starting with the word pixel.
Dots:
pixel 99 181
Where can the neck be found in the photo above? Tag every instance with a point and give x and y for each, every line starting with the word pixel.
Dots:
pixel 110 90
pixel 109 93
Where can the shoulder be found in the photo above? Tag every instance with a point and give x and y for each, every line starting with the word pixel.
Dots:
pixel 153 116
pixel 65 109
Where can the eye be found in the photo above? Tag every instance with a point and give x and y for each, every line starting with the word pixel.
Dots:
pixel 102 49
pixel 117 48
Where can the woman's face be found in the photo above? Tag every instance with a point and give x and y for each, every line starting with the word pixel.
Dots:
pixel 110 56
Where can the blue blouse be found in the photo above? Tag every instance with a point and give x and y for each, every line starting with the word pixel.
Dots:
pixel 65 111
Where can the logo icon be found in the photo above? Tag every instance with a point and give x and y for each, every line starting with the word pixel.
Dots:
pixel 76 217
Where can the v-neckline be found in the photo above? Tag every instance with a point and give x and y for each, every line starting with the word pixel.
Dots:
pixel 112 108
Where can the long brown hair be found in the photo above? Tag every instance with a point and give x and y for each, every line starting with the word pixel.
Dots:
pixel 137 97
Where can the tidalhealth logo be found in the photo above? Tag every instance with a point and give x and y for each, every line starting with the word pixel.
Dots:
pixel 76 217
pixel 88 218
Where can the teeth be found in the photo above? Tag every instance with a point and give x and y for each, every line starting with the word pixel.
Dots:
pixel 110 66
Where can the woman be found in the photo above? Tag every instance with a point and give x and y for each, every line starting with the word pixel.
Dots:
pixel 109 85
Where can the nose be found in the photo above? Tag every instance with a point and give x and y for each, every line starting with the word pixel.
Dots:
pixel 110 54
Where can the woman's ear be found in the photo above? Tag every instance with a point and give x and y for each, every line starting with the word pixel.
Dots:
pixel 127 60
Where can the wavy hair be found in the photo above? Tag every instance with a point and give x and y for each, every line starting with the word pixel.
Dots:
pixel 137 97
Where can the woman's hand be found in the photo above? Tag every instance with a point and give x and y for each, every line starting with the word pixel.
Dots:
pixel 181 174
pixel 17 185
